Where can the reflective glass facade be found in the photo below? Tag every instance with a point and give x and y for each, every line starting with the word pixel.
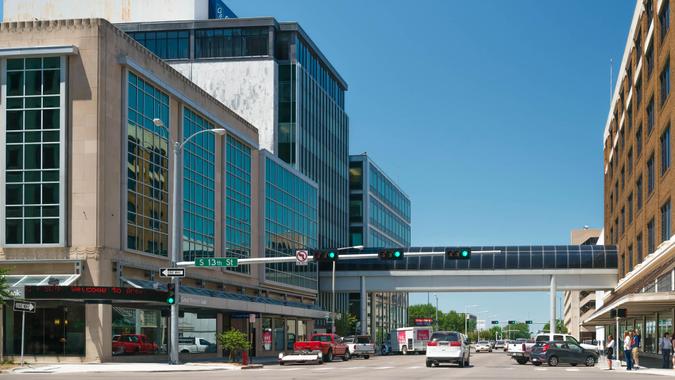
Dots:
pixel 291 218
pixel 198 187
pixel 173 44
pixel 238 201
pixel 147 168
pixel 231 42
pixel 34 144
pixel 379 212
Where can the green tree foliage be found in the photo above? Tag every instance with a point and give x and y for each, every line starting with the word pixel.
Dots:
pixel 559 327
pixel 346 325
pixel 234 341
pixel 519 330
pixel 5 292
pixel 451 320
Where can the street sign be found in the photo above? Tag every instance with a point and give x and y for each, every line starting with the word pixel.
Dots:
pixel 251 318
pixel 25 306
pixel 217 262
pixel 495 322
pixel 172 272
pixel 301 256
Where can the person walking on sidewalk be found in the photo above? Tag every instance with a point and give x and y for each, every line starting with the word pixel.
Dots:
pixel 609 349
pixel 635 348
pixel 626 351
pixel 666 345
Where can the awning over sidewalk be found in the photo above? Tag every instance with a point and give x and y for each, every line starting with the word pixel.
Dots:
pixel 636 305
pixel 218 299
pixel 17 282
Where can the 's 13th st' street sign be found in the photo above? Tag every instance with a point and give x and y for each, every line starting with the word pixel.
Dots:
pixel 217 262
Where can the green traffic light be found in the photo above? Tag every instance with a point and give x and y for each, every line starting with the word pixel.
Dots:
pixel 331 255
pixel 170 301
pixel 397 254
pixel 465 253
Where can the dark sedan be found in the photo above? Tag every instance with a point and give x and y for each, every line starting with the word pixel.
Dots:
pixel 556 352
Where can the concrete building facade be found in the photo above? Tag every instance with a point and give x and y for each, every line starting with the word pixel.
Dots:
pixel 86 176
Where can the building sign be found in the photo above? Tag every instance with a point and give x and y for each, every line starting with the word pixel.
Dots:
pixel 98 293
pixel 422 334
pixel 424 321
pixel 218 10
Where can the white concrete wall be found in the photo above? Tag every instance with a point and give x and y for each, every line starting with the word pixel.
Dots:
pixel 112 10
pixel 247 87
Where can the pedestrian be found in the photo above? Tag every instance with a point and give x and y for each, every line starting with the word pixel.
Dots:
pixel 666 345
pixel 609 348
pixel 635 348
pixel 626 350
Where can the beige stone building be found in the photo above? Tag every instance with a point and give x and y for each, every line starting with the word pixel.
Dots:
pixel 86 179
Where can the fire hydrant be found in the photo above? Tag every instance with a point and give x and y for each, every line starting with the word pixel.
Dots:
pixel 244 358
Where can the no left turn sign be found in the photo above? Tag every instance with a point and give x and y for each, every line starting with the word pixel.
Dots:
pixel 301 257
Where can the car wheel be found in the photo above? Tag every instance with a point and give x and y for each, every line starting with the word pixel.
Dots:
pixel 347 356
pixel 573 364
pixel 521 361
pixel 553 361
pixel 462 363
pixel 590 361
pixel 185 352
pixel 428 364
pixel 404 350
pixel 366 357
pixel 329 356
pixel 536 364
pixel 281 363
pixel 468 361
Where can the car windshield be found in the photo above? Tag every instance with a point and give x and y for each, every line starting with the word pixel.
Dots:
pixel 363 339
pixel 321 338
pixel 349 339
pixel 542 338
pixel 445 337
pixel 482 342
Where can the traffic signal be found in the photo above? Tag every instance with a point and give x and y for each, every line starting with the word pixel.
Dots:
pixel 458 253
pixel 495 322
pixel 512 322
pixel 528 322
pixel 327 256
pixel 171 293
pixel 390 254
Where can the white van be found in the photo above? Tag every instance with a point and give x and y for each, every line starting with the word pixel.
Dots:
pixel 410 339
pixel 448 347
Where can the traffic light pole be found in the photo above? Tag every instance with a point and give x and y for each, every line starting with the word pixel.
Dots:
pixel 173 333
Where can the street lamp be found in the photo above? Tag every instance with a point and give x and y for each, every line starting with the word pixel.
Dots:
pixel 177 149
pixel 436 320
pixel 466 317
pixel 332 306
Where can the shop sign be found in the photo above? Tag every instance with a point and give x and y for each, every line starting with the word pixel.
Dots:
pixel 267 339
pixel 93 293
pixel 423 321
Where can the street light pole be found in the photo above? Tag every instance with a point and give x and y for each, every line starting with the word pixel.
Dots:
pixel 466 317
pixel 332 307
pixel 436 320
pixel 176 206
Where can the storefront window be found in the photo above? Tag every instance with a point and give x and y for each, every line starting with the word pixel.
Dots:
pixel 665 323
pixel 290 333
pixel 267 334
pixel 56 328
pixel 302 331
pixel 138 331
pixel 199 328
pixel 649 335
pixel 278 335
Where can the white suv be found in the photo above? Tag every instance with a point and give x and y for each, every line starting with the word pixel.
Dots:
pixel 448 347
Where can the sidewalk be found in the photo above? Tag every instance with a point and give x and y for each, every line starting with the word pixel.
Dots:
pixel 648 365
pixel 126 367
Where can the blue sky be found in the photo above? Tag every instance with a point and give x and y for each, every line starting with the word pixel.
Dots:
pixel 489 114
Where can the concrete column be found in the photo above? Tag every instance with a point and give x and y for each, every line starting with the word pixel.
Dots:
pixel 373 316
pixel 553 304
pixel 219 330
pixel 364 307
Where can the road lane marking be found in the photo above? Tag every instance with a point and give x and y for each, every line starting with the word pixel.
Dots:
pixel 383 367
pixel 572 369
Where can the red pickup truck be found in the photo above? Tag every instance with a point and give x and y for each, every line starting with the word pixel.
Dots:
pixel 330 346
pixel 133 344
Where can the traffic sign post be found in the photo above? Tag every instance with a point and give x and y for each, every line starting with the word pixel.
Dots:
pixel 301 257
pixel 231 262
pixel 23 307
pixel 172 272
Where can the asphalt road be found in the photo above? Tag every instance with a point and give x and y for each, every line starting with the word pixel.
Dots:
pixel 483 366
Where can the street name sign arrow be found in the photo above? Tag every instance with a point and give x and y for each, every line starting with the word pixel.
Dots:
pixel 172 272
pixel 25 306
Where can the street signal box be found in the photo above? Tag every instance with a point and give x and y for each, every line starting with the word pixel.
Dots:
pixel 390 254
pixel 325 256
pixel 457 253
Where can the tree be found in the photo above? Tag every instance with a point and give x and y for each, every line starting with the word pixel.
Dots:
pixel 559 327
pixel 421 311
pixel 346 325
pixel 5 291
pixel 519 330
pixel 234 341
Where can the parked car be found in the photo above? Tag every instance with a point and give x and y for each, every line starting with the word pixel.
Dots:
pixel 547 337
pixel 506 345
pixel 499 345
pixel 483 346
pixel 360 346
pixel 318 349
pixel 194 345
pixel 133 344
pixel 448 347
pixel 556 352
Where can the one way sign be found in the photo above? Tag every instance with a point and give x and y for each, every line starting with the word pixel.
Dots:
pixel 24 306
pixel 172 272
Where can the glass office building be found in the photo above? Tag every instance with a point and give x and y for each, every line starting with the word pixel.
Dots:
pixel 290 222
pixel 238 201
pixel 274 75
pixel 379 211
